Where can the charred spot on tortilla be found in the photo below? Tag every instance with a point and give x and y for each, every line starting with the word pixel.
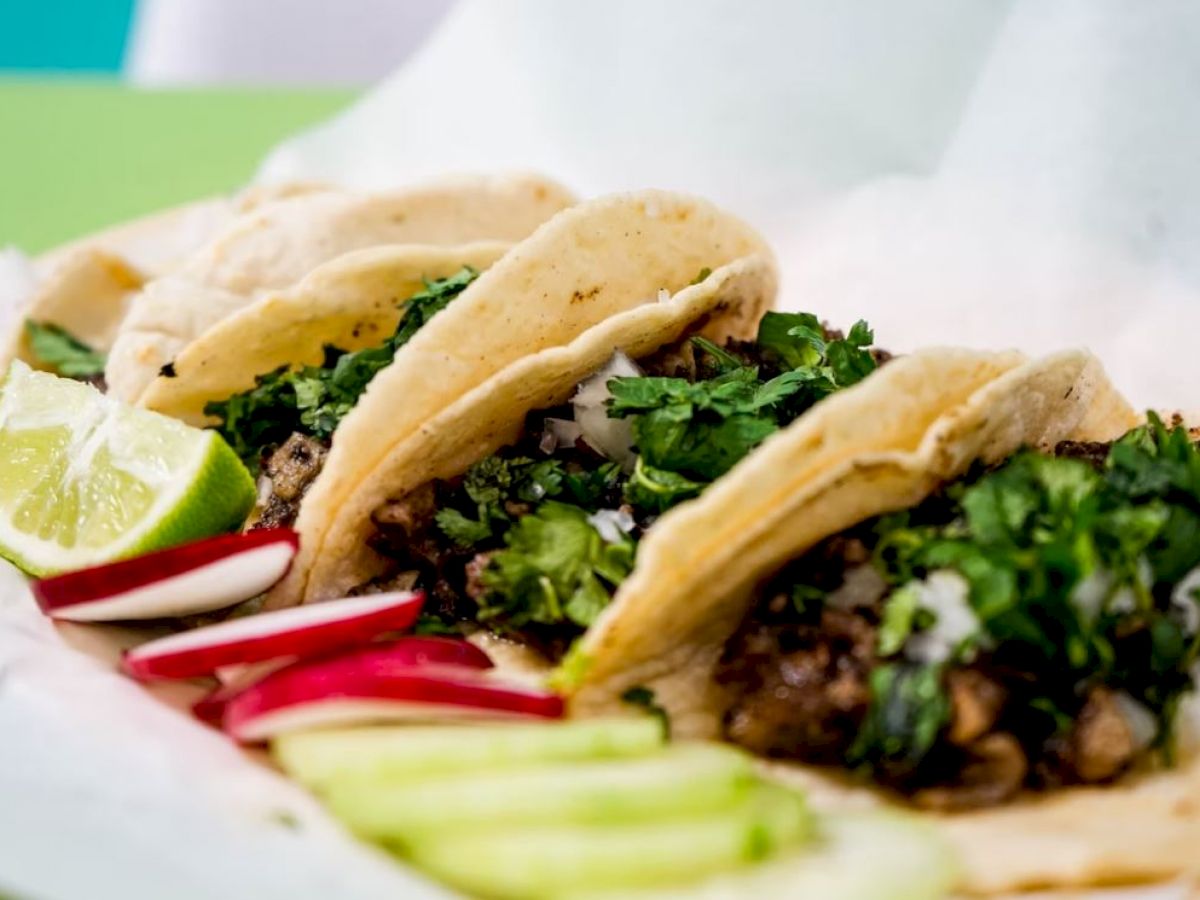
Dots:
pixel 1033 625
pixel 168 371
pixel 535 539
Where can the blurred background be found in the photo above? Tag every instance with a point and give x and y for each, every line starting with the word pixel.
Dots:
pixel 101 100
pixel 989 173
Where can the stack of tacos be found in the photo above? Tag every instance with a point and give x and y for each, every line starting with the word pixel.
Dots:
pixel 958 581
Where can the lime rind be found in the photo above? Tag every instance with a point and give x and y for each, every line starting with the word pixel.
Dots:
pixel 85 479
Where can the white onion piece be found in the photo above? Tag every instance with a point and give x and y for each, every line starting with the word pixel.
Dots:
pixel 664 296
pixel 611 437
pixel 945 594
pixel 611 524
pixel 559 433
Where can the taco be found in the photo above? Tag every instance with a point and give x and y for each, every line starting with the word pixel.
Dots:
pixel 520 508
pixel 82 290
pixel 275 245
pixel 1005 638
pixel 347 309
pixel 587 265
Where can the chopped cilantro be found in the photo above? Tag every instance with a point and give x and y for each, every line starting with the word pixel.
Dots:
pixel 429 624
pixel 555 568
pixel 689 433
pixel 314 399
pixel 62 352
pixel 1071 571
pixel 908 710
pixel 701 275
pixel 490 484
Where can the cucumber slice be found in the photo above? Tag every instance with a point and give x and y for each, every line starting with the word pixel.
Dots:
pixel 675 784
pixel 547 861
pixel 386 754
pixel 863 856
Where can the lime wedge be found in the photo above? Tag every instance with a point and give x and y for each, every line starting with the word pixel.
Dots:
pixel 85 479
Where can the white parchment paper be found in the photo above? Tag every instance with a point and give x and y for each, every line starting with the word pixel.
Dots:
pixel 984 172
pixel 989 172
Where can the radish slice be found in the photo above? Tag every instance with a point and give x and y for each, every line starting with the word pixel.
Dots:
pixel 404 653
pixel 354 688
pixel 299 631
pixel 192 578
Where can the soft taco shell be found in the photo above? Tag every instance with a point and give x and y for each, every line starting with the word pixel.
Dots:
pixel 879 446
pixel 546 316
pixel 277 243
pixel 85 292
pixel 355 301
pixel 713 554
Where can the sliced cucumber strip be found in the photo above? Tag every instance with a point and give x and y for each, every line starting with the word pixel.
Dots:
pixel 398 753
pixel 676 784
pixel 547 861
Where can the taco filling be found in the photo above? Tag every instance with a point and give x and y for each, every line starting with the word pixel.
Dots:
pixel 283 426
pixel 57 350
pixel 1030 626
pixel 534 540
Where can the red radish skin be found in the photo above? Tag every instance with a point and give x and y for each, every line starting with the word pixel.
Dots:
pixel 410 652
pixel 192 578
pixel 299 632
pixel 360 687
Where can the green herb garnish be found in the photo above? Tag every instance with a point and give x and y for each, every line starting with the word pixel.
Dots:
pixel 62 352
pixel 314 399
pixel 555 567
pixel 1073 574
pixel 690 433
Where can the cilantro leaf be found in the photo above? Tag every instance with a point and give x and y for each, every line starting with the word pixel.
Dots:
pixel 314 399
pixel 795 340
pixel 61 351
pixel 1072 570
pixel 698 430
pixel 555 568
pixel 908 710
pixel 657 490
pixel 849 360
pixel 492 483
pixel 688 433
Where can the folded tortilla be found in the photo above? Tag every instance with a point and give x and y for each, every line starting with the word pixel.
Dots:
pixel 546 315
pixel 277 243
pixel 879 447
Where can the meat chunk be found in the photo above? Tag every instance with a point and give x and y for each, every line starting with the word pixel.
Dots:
pixel 409 515
pixel 1094 453
pixel 290 471
pixel 975 703
pixel 994 771
pixel 1102 742
pixel 800 691
pixel 476 589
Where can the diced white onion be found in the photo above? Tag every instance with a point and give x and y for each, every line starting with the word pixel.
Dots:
pixel 611 437
pixel 943 593
pixel 1089 595
pixel 558 433
pixel 861 586
pixel 1184 604
pixel 612 524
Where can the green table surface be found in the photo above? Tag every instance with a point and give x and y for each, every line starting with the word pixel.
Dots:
pixel 78 155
